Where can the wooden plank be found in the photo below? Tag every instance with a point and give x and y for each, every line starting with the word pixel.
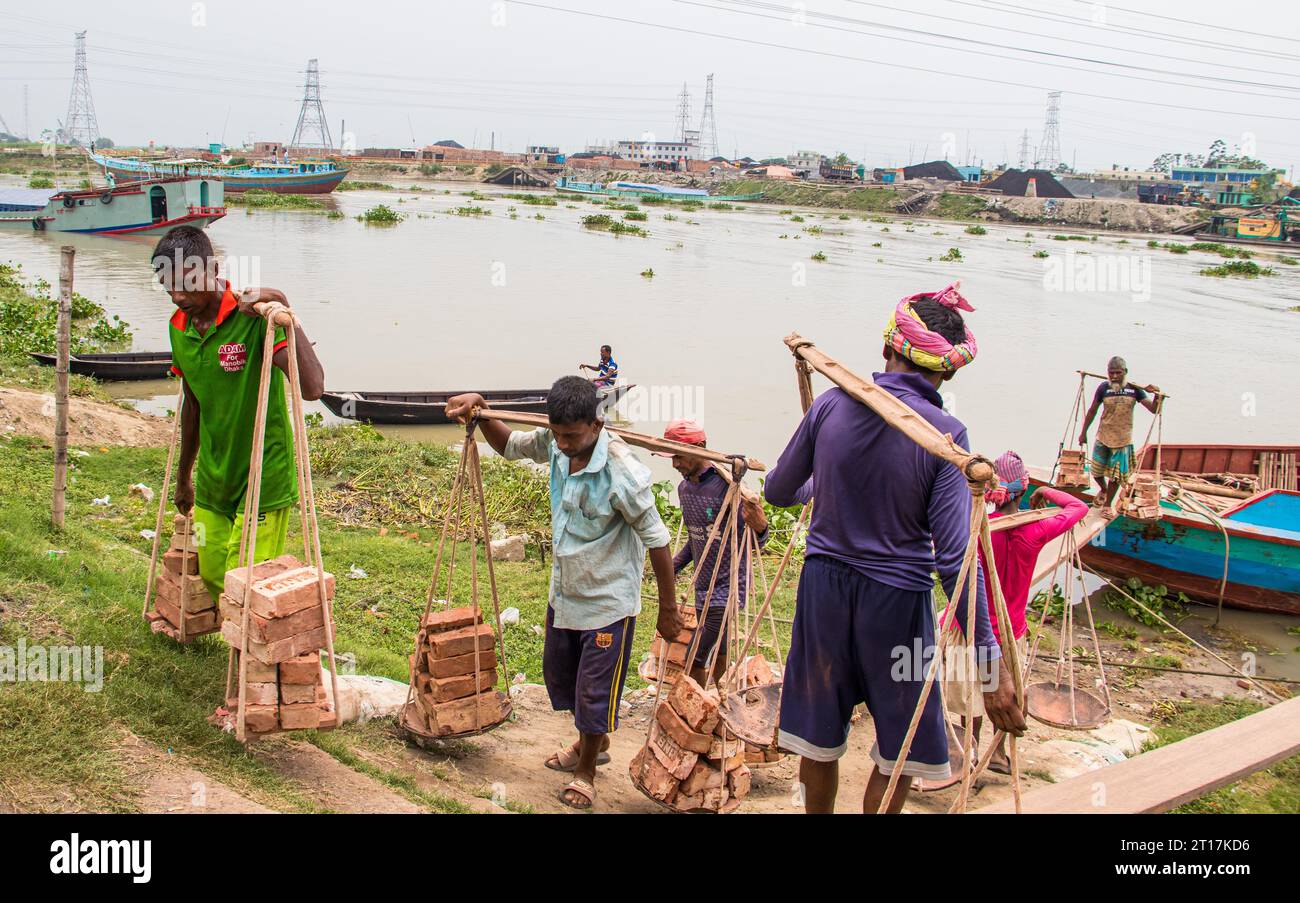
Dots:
pixel 652 443
pixel 894 412
pixel 1164 778
pixel 1058 550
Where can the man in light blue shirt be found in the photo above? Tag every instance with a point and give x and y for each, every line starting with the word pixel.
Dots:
pixel 603 518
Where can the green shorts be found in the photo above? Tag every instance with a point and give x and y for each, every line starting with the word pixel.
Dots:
pixel 217 537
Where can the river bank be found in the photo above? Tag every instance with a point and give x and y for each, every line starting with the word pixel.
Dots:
pixel 123 749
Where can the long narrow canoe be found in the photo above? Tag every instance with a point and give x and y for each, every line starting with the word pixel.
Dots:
pixel 116 367
pixel 431 407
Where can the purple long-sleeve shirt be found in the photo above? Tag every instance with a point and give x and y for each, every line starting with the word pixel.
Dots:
pixel 884 506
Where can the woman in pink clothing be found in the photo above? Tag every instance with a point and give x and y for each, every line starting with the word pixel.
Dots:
pixel 1015 553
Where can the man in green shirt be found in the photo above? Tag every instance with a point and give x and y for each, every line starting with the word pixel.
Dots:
pixel 217 342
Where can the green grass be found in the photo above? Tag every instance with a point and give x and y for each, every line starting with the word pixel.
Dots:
pixel 1275 789
pixel 1244 268
pixel 794 194
pixel 351 185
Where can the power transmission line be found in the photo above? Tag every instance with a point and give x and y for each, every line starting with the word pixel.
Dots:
pixel 903 66
pixel 683 113
pixel 708 124
pixel 1049 152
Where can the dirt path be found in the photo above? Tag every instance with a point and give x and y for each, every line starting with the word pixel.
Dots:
pixel 89 422
pixel 167 786
pixel 331 783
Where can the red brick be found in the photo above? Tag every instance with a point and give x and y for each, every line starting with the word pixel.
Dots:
pixel 451 619
pixel 457 716
pixel 300 717
pixel 259 673
pixel 461 641
pixel 292 591
pixel 197 623
pixel 677 654
pixel 176 563
pixel 697 707
pixel 715 798
pixel 297 694
pixel 758 673
pixel 652 777
pixel 686 738
pixel 233 584
pixel 739 781
pixel 303 669
pixel 460 664
pixel 702 777
pixel 261 693
pixel 445 689
pixel 671 755
pixel 727 749
pixel 685 803
pixel 279 651
pixel 269 630
pixel 262 718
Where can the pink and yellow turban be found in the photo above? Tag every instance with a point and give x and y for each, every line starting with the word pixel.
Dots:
pixel 907 333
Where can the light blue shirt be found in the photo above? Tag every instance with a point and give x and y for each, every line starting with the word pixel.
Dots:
pixel 603 518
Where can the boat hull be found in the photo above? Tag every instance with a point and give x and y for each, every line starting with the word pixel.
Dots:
pixel 1185 552
pixel 116 368
pixel 395 408
pixel 141 208
pixel 298 183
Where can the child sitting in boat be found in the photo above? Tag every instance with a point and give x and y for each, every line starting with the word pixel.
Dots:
pixel 603 518
pixel 1015 552
pixel 217 340
pixel 1112 453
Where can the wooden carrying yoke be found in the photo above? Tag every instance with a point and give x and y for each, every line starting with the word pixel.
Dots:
pixel 979 474
pixel 237 665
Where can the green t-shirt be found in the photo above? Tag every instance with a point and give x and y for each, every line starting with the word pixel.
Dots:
pixel 223 370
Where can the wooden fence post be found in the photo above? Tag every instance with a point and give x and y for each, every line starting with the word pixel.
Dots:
pixel 66 258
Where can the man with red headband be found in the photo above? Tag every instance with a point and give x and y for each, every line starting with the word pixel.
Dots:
pixel 701 494
pixel 887 516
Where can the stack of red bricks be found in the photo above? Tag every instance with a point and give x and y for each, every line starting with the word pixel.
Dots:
pixel 675 651
pixel 287 696
pixel 691 761
pixel 1071 470
pixel 454 689
pixel 1144 502
pixel 179 592
pixel 286 630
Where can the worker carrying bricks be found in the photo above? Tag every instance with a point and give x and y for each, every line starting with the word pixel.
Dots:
pixel 217 342
pixel 1112 453
pixel 701 493
pixel 603 518
pixel 887 515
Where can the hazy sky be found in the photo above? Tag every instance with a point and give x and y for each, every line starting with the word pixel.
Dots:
pixel 887 79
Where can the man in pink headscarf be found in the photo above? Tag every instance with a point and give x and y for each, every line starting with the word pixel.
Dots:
pixel 887 516
pixel 1015 552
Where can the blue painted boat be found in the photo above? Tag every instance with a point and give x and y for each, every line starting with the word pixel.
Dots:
pixel 295 177
pixel 1184 548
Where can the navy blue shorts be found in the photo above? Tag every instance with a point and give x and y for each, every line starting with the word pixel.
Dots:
pixel 711 625
pixel 856 640
pixel 584 671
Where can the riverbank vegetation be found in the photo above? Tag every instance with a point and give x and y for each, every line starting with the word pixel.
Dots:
pixel 270 200
pixel 29 317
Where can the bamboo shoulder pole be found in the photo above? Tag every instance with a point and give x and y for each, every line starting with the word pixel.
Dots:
pixel 1103 376
pixel 892 411
pixel 66 258
pixel 651 443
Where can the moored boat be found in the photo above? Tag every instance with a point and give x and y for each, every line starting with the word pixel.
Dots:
pixel 294 177
pixel 431 407
pixel 152 205
pixel 1236 517
pixel 131 365
pixel 647 191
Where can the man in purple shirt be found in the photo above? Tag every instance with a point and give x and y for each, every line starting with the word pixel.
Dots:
pixel 887 515
pixel 701 493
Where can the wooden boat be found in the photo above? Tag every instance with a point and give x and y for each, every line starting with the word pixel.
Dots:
pixel 120 367
pixel 293 177
pixel 431 407
pixel 642 191
pixel 1184 548
pixel 141 207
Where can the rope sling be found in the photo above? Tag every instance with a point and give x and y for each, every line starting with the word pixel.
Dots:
pixel 979 475
pixel 468 481
pixel 237 662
